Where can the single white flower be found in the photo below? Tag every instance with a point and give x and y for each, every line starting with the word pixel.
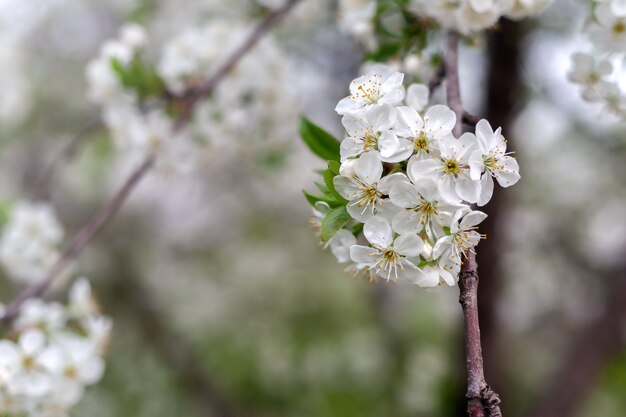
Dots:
pixel 366 129
pixel 387 256
pixel 419 136
pixel 463 237
pixel 450 169
pixel 588 73
pixel 423 208
pixel 74 363
pixel 29 376
pixel 491 160
pixel 609 33
pixel 380 86
pixel 340 245
pixel 361 184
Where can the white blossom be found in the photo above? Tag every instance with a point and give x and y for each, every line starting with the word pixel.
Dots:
pixel 363 187
pixel 380 86
pixel 463 237
pixel 29 241
pixel 387 256
pixel 450 169
pixel 491 160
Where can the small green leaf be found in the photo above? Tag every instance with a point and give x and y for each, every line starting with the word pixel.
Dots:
pixel 334 167
pixel 321 143
pixel 323 188
pixel 334 221
pixel 330 185
pixel 446 230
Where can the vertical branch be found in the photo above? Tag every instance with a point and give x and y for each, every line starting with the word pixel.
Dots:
pixel 503 91
pixel 481 400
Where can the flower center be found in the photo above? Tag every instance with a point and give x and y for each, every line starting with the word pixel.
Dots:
pixel 389 262
pixel 70 372
pixel 619 27
pixel 369 92
pixel 28 363
pixel 451 167
pixel 370 141
pixel 421 142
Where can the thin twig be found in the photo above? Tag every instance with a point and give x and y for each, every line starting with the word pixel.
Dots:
pixel 481 400
pixel 438 78
pixel 102 217
pixel 43 183
pixel 257 34
pixel 470 119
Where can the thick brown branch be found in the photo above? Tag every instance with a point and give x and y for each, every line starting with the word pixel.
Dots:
pixel 102 217
pixel 481 400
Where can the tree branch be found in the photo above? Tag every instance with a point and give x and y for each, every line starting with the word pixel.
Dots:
pixel 43 182
pixel 481 400
pixel 102 217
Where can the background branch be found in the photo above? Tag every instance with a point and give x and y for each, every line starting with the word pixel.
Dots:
pixel 102 217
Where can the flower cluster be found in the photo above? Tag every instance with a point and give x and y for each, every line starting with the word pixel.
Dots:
pixel 598 72
pixel 29 242
pixel 128 91
pixel 406 181
pixel 250 105
pixel 51 353
pixel 468 16
pixel 140 101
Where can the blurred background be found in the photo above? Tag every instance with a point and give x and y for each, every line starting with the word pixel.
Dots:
pixel 223 301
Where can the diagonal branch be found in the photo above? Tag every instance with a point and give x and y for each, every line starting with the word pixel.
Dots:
pixel 102 217
pixel 481 400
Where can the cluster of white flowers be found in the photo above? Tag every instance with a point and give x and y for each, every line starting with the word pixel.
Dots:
pixel 138 125
pixel 30 240
pixel 52 352
pixel 468 16
pixel 410 181
pixel 250 106
pixel 599 73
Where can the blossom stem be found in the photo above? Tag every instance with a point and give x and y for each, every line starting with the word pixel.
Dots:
pixel 106 213
pixel 481 400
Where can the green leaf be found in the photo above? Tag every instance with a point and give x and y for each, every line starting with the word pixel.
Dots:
pixel 334 166
pixel 446 230
pixel 323 188
pixel 335 220
pixel 326 198
pixel 321 143
pixel 330 185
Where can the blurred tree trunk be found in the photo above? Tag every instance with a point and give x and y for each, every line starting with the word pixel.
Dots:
pixel 503 100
